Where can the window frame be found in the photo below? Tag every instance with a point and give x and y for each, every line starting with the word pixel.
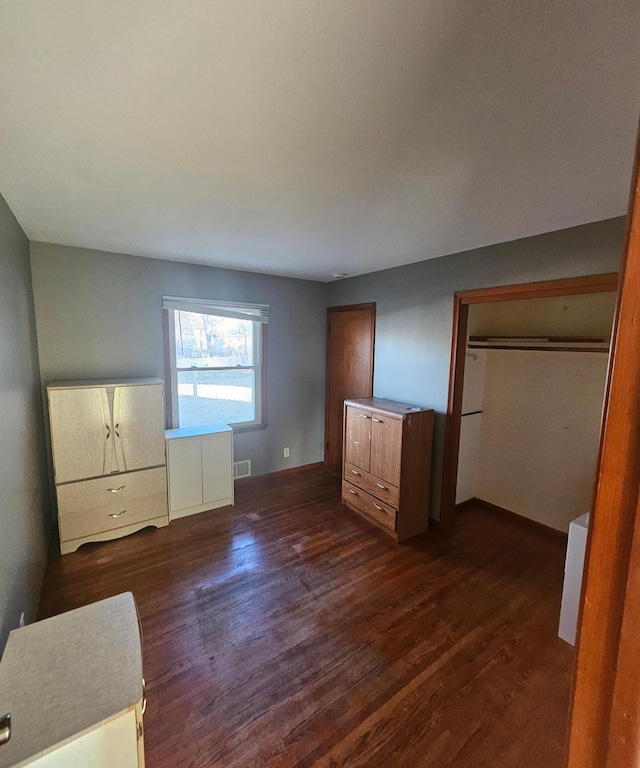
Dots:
pixel 172 410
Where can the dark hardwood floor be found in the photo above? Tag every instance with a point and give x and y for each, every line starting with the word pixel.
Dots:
pixel 288 632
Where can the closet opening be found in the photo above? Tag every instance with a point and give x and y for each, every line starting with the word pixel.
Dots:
pixel 526 390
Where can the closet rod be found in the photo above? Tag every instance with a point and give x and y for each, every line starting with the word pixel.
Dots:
pixel 539 348
pixel 542 343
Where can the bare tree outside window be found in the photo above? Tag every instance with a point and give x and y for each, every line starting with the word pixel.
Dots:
pixel 216 361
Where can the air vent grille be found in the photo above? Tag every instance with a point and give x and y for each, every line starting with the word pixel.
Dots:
pixel 241 469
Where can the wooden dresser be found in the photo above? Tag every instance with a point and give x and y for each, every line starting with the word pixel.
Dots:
pixel 387 464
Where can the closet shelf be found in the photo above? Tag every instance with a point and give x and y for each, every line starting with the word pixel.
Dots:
pixel 542 343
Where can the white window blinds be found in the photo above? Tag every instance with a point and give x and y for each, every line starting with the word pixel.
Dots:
pixel 237 310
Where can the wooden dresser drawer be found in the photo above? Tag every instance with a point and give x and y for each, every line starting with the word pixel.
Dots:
pixel 362 501
pixel 373 485
pixel 94 506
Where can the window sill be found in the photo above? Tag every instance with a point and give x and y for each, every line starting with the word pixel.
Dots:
pixel 248 428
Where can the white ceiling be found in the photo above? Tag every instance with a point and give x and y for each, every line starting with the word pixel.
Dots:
pixel 308 137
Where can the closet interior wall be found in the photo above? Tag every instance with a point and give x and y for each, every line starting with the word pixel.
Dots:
pixel 531 419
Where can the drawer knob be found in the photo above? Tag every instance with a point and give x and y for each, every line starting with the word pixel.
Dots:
pixel 353 472
pixel 116 490
pixel 118 514
pixel 384 487
pixel 352 491
pixel 362 416
pixel 378 420
pixel 5 729
pixel 356 442
pixel 377 506
pixel 144 696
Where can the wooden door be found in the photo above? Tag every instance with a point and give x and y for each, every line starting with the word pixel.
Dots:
pixel 138 415
pixel 386 448
pixel 357 444
pixel 185 472
pixel 81 433
pixel 217 467
pixel 349 370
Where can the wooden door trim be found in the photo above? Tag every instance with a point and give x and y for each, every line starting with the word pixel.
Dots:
pixel 371 306
pixel 543 289
pixel 461 302
pixel 604 730
pixel 351 307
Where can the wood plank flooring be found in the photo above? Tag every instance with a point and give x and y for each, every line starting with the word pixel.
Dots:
pixel 289 633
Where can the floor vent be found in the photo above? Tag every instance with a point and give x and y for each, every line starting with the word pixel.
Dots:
pixel 241 469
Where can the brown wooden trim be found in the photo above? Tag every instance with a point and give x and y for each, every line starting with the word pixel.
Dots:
pixel 351 307
pixel 527 522
pixel 544 289
pixel 280 473
pixel 466 504
pixel 168 386
pixel 461 302
pixel 370 305
pixel 606 698
pixel 624 734
pixel 454 416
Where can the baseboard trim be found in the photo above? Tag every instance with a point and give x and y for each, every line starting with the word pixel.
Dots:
pixel 279 473
pixel 525 521
pixel 468 503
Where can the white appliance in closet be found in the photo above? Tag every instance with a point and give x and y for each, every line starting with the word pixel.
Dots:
pixel 107 439
pixel 573 571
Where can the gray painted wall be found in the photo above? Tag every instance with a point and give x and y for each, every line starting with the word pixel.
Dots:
pixel 24 525
pixel 415 306
pixel 98 315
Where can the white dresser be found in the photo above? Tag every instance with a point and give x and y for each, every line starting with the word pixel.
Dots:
pixel 107 439
pixel 200 469
pixel 74 688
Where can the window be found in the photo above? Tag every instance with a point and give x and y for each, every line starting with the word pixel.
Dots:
pixel 216 366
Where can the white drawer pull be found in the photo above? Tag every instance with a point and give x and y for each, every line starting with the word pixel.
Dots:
pixel 377 506
pixel 5 729
pixel 355 442
pixel 118 514
pixel 362 416
pixel 353 472
pixel 352 491
pixel 384 487
pixel 378 420
pixel 116 490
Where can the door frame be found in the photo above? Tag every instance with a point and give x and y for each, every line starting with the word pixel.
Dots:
pixel 604 729
pixel 370 305
pixel 462 300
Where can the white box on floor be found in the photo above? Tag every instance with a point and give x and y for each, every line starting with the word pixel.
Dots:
pixel 573 568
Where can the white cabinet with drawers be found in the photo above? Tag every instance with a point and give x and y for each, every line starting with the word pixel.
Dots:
pixel 200 469
pixel 107 440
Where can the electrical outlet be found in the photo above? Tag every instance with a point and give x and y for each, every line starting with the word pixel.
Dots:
pixel 22 619
pixel 286 453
